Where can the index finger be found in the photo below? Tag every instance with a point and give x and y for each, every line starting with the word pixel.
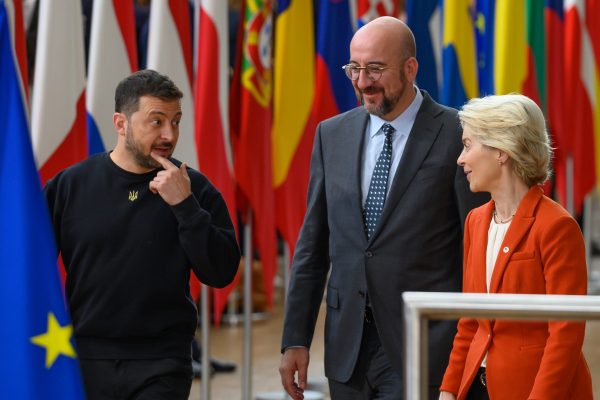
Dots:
pixel 166 164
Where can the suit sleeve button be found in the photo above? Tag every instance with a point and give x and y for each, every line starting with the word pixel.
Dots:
pixel 361 293
pixel 369 254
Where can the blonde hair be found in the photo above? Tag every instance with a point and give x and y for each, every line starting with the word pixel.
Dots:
pixel 514 124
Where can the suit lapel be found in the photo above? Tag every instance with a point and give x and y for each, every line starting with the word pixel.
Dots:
pixel 351 142
pixel 519 227
pixel 479 239
pixel 421 138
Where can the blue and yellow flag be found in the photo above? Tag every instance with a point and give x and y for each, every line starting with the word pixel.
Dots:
pixel 38 359
pixel 459 81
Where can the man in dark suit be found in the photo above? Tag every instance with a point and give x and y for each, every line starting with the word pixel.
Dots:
pixel 386 203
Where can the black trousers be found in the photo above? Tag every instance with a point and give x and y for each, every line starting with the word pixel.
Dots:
pixel 156 379
pixel 478 391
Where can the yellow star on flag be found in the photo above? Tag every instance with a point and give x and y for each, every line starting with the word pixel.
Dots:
pixel 57 341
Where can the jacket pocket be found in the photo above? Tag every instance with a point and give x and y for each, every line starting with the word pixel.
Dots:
pixel 522 255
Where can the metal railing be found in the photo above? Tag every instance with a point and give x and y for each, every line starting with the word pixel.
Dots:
pixel 420 307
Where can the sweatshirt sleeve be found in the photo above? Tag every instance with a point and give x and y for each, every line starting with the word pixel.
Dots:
pixel 208 238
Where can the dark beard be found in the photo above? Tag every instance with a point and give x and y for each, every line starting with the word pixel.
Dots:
pixel 385 107
pixel 141 159
pixel 388 103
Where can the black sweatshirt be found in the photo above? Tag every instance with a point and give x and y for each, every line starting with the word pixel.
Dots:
pixel 128 255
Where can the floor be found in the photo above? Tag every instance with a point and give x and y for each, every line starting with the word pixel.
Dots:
pixel 226 343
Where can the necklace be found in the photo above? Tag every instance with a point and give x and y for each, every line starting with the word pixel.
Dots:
pixel 502 221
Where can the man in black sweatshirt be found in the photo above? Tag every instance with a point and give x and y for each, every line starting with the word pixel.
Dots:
pixel 130 225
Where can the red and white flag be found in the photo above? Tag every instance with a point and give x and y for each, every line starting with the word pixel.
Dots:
pixel 112 57
pixel 368 10
pixel 212 113
pixel 58 118
pixel 581 94
pixel 170 53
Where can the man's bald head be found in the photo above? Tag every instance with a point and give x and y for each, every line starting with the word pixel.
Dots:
pixel 396 35
pixel 386 45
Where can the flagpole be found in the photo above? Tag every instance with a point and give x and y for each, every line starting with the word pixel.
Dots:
pixel 204 303
pixel 588 204
pixel 286 273
pixel 569 185
pixel 247 347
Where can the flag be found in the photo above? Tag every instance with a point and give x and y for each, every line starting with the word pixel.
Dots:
pixel 534 85
pixel 554 29
pixel 520 51
pixel 593 82
pixel 252 130
pixel 38 354
pixel 334 33
pixel 112 57
pixel 212 114
pixel 58 118
pixel 368 10
pixel 170 53
pixel 293 123
pixel 510 53
pixel 459 62
pixel 581 82
pixel 484 44
pixel 424 19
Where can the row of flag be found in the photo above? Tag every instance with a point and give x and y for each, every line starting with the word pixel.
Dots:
pixel 251 132
pixel 548 50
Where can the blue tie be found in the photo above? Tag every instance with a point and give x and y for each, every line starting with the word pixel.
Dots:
pixel 379 181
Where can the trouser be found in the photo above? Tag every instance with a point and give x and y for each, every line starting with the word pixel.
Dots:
pixel 155 379
pixel 478 390
pixel 373 376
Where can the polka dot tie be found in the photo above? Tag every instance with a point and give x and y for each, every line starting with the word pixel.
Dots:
pixel 379 182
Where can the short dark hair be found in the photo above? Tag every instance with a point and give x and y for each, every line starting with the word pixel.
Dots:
pixel 146 82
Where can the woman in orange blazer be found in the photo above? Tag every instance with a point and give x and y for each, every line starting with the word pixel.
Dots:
pixel 519 242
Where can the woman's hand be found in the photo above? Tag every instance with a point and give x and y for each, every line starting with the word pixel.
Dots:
pixel 447 396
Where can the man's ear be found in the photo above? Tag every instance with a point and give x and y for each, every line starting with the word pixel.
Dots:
pixel 120 123
pixel 411 67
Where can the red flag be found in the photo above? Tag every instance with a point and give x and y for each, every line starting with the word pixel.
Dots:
pixel 212 118
pixel 554 18
pixel 579 100
pixel 252 143
pixel 58 120
pixel 18 35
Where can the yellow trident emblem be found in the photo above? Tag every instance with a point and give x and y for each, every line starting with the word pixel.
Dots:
pixel 133 195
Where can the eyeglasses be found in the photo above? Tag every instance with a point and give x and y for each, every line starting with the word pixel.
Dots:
pixel 373 72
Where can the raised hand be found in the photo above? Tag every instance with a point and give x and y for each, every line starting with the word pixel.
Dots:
pixel 172 183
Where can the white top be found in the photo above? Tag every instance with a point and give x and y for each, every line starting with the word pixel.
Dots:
pixel 496 235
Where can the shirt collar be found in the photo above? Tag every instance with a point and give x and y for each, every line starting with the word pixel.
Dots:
pixel 403 123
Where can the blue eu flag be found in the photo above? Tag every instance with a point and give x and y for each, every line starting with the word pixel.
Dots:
pixel 37 353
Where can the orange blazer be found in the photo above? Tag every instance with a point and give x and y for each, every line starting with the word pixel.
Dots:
pixel 543 252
